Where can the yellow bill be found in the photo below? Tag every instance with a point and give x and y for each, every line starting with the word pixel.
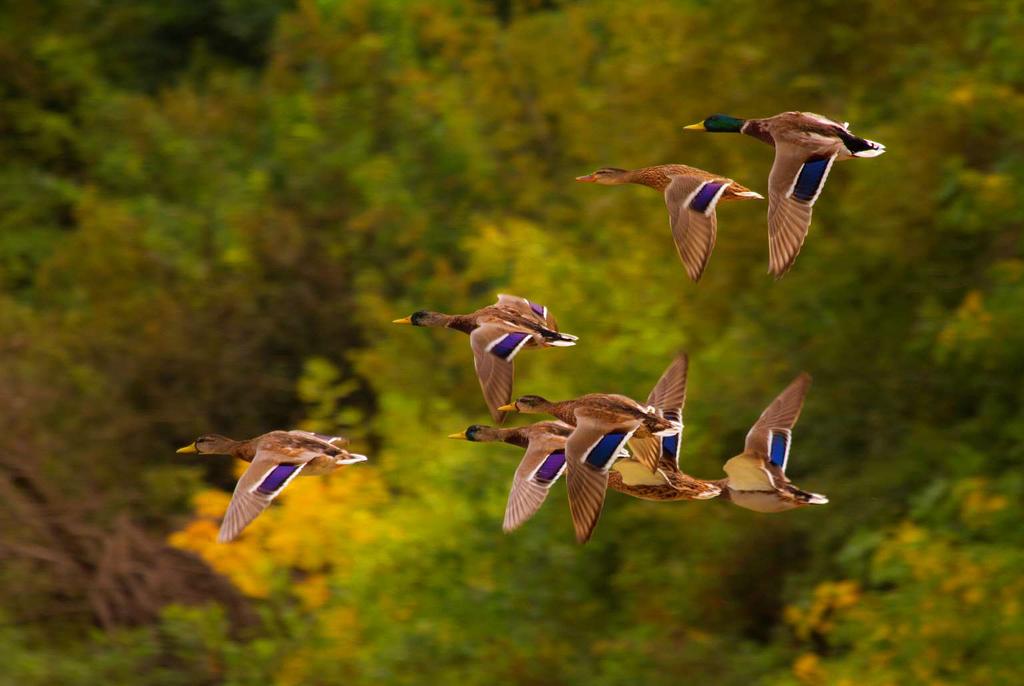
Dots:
pixel 511 407
pixel 190 448
pixel 458 437
pixel 699 126
pixel 403 320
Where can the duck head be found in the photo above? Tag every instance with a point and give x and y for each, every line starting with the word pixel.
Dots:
pixel 479 433
pixel 718 123
pixel 424 318
pixel 606 176
pixel 529 404
pixel 210 444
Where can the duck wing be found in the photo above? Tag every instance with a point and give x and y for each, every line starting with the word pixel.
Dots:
pixel 590 452
pixel 267 475
pixel 691 202
pixel 541 466
pixel 494 349
pixel 794 184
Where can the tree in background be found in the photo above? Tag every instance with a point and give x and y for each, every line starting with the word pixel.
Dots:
pixel 207 225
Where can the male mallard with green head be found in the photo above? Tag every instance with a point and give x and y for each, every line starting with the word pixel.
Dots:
pixel 277 457
pixel 757 477
pixel 602 425
pixel 806 145
pixel 691 196
pixel 497 333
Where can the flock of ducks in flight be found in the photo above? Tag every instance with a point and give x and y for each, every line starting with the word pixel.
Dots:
pixel 603 440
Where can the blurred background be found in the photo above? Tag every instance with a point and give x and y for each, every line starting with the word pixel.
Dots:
pixel 211 211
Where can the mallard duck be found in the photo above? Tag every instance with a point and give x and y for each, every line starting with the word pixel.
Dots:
pixel 540 468
pixel 806 145
pixel 603 424
pixel 757 476
pixel 497 333
pixel 691 196
pixel 632 475
pixel 277 458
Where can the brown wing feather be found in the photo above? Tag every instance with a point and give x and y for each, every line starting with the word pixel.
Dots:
pixel 527 495
pixel 587 485
pixel 694 232
pixel 495 374
pixel 782 413
pixel 789 219
pixel 247 504
pixel 670 391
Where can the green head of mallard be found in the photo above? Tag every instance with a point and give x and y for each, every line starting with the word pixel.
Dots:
pixel 606 176
pixel 423 318
pixel 718 123
pixel 477 432
pixel 209 444
pixel 528 404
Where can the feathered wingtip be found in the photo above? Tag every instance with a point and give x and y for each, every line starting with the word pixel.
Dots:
pixel 559 339
pixel 875 150
pixel 816 499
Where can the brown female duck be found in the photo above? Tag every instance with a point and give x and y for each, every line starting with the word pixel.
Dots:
pixel 277 457
pixel 691 196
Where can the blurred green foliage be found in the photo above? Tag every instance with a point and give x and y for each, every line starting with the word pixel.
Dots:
pixel 209 213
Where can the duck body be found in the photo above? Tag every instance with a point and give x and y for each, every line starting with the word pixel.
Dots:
pixel 814 133
pixel 691 196
pixel 613 408
pixel 788 497
pixel 497 333
pixel 668 483
pixel 275 459
pixel 660 176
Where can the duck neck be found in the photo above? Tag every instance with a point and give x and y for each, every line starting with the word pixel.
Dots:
pixel 652 177
pixel 242 450
pixel 562 410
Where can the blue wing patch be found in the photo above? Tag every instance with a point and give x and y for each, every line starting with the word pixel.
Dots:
pixel 551 468
pixel 778 448
pixel 603 454
pixel 541 311
pixel 508 345
pixel 810 179
pixel 277 478
pixel 670 446
pixel 706 195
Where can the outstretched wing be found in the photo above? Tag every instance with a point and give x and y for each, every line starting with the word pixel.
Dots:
pixel 590 452
pixel 668 397
pixel 691 203
pixel 670 391
pixel 541 466
pixel 494 349
pixel 769 438
pixel 794 184
pixel 265 478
